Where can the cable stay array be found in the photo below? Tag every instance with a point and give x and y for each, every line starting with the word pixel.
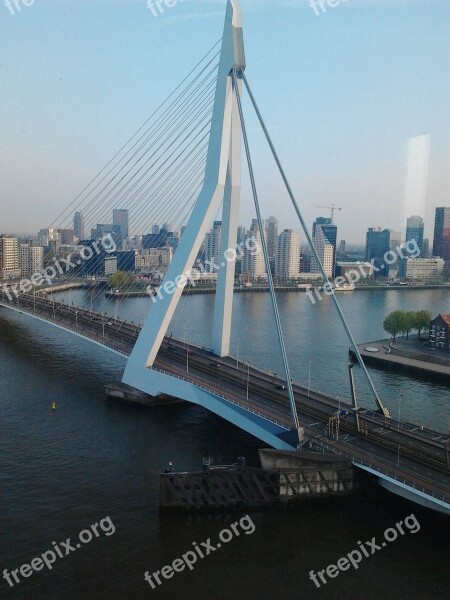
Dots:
pixel 158 175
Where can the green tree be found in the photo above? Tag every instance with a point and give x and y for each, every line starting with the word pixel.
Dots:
pixel 409 321
pixel 120 279
pixel 422 320
pixel 395 323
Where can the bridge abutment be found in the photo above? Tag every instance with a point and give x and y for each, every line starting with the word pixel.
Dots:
pixel 285 479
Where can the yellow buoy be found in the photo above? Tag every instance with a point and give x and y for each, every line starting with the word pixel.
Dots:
pixel 54 406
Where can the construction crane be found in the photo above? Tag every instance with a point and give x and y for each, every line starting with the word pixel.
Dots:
pixel 333 209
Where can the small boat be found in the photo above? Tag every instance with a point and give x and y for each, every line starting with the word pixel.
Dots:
pixel 347 287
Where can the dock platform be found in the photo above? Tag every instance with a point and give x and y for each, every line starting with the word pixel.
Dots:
pixel 410 356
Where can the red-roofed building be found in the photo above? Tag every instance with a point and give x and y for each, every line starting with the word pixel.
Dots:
pixel 440 333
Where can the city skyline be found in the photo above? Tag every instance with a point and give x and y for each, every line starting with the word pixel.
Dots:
pixel 375 157
pixel 427 232
pixel 386 253
pixel 413 228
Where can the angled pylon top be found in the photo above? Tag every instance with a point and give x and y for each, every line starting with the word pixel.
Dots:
pixel 237 12
pixel 234 16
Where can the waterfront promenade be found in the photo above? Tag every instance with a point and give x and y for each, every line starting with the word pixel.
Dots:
pixel 412 356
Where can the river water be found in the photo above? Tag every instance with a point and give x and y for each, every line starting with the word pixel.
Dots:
pixel 63 471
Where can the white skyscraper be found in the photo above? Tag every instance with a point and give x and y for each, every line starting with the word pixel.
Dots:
pixel 325 250
pixel 287 263
pixel 212 248
pixel 9 257
pixel 272 236
pixel 31 259
pixel 253 266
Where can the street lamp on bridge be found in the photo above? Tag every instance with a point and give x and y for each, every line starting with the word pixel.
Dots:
pixel 104 323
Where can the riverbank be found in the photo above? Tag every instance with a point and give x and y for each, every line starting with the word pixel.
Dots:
pixel 190 290
pixel 410 356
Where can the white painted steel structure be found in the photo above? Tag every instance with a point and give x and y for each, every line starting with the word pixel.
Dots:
pixel 222 183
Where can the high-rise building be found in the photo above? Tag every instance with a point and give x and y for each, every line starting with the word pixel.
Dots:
pixel 99 263
pixel 9 257
pixel 155 229
pixel 342 249
pixel 155 240
pixel 414 231
pixel 395 242
pixel 173 239
pixel 67 236
pixel 305 259
pixel 380 242
pixel 324 236
pixel 426 248
pixel 272 236
pixel 252 264
pixel 325 251
pixel 78 226
pixel 126 261
pixel 212 248
pixel 110 265
pixel 154 259
pixel 31 258
pixel 441 243
pixel 422 269
pixel 324 239
pixel 241 232
pixel 121 219
pixel 287 262
pixel 104 229
pixel 49 238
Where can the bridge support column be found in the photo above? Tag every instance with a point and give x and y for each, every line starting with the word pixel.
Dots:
pixel 351 364
pixel 222 171
pixel 221 334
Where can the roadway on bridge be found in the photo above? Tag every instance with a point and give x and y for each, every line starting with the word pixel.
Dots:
pixel 400 450
pixel 381 441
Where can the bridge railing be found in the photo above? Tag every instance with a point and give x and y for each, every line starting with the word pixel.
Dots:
pixel 405 479
pixel 227 399
pixel 64 324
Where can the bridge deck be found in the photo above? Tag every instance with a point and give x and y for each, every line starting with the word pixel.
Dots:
pixel 416 457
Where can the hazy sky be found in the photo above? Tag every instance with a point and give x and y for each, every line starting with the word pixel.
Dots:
pixel 357 100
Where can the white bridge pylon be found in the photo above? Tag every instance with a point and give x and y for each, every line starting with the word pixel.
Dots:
pixel 222 183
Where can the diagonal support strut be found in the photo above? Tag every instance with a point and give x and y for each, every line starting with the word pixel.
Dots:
pixel 276 313
pixel 353 343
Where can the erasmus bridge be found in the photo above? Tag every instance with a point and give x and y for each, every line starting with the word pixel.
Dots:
pixel 184 165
